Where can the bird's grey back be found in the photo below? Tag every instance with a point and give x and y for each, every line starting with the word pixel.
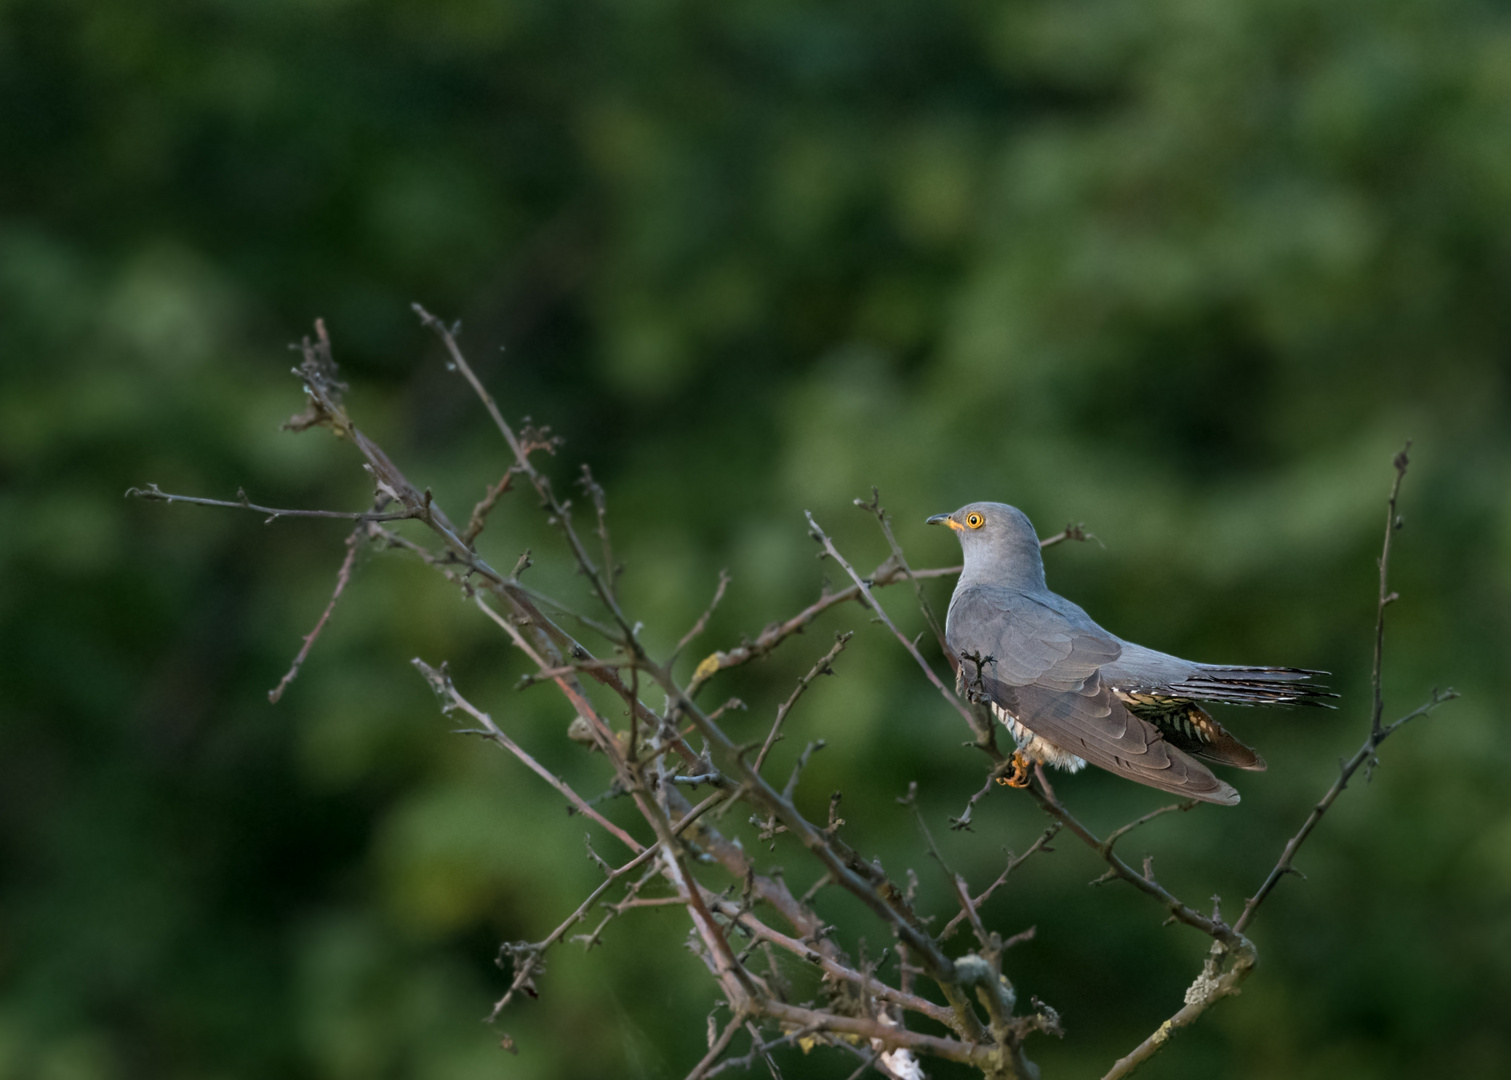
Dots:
pixel 1026 636
pixel 1141 668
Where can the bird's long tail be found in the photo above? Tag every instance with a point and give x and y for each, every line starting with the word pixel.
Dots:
pixel 1258 686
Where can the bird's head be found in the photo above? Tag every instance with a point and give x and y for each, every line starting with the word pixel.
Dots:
pixel 999 543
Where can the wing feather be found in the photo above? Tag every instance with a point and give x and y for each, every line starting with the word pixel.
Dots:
pixel 1043 666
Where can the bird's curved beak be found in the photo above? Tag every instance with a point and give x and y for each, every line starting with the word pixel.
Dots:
pixel 943 519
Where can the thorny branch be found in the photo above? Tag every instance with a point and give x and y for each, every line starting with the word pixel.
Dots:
pixel 653 764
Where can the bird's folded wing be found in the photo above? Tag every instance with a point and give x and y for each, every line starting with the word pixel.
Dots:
pixel 1091 723
pixel 1042 665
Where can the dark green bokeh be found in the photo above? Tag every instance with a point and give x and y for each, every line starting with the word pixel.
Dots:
pixel 1189 273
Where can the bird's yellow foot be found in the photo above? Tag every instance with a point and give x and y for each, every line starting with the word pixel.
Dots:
pixel 1020 775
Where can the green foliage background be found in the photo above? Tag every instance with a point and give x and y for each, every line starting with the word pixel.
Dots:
pixel 1187 272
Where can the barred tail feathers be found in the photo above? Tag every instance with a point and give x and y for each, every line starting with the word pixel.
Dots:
pixel 1257 686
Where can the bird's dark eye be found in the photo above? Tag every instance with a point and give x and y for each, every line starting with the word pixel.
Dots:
pixel 975 521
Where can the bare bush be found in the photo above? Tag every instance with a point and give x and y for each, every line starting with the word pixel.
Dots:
pixel 941 1000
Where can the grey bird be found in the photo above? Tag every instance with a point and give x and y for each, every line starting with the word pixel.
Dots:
pixel 1072 693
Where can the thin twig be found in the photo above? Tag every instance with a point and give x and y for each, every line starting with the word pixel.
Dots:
pixel 760 1048
pixel 343 576
pixel 153 493
pixel 716 1050
pixel 702 622
pixel 1392 523
pixel 865 588
pixel 484 507
pixel 860 878
pixel 831 968
pixel 963 822
pixel 1346 771
pixel 1211 986
pixel 440 681
pixel 824 666
pixel 875 507
pixel 777 633
pixel 1013 862
pixel 976 1052
pixel 600 578
pixel 1118 833
pixel 1118 869
pixel 532 951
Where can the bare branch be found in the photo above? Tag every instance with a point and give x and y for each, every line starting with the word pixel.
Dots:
pixel 862 879
pixel 1211 986
pixel 824 666
pixel 1392 523
pixel 1013 862
pixel 527 956
pixel 761 1049
pixel 1346 771
pixel 836 970
pixel 484 507
pixel 557 656
pixel 865 588
pixel 1378 732
pixel 1070 532
pixel 702 622
pixel 777 633
pixel 152 493
pixel 717 1047
pixel 1118 833
pixel 963 822
pixel 343 576
pixel 875 507
pixel 440 681
pixel 601 579
pixel 1145 883
pixel 971 1053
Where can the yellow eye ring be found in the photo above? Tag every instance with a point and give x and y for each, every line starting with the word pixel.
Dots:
pixel 974 520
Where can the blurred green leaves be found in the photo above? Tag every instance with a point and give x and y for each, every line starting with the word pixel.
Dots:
pixel 1187 273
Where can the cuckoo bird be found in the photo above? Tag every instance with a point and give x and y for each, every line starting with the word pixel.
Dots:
pixel 1070 692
